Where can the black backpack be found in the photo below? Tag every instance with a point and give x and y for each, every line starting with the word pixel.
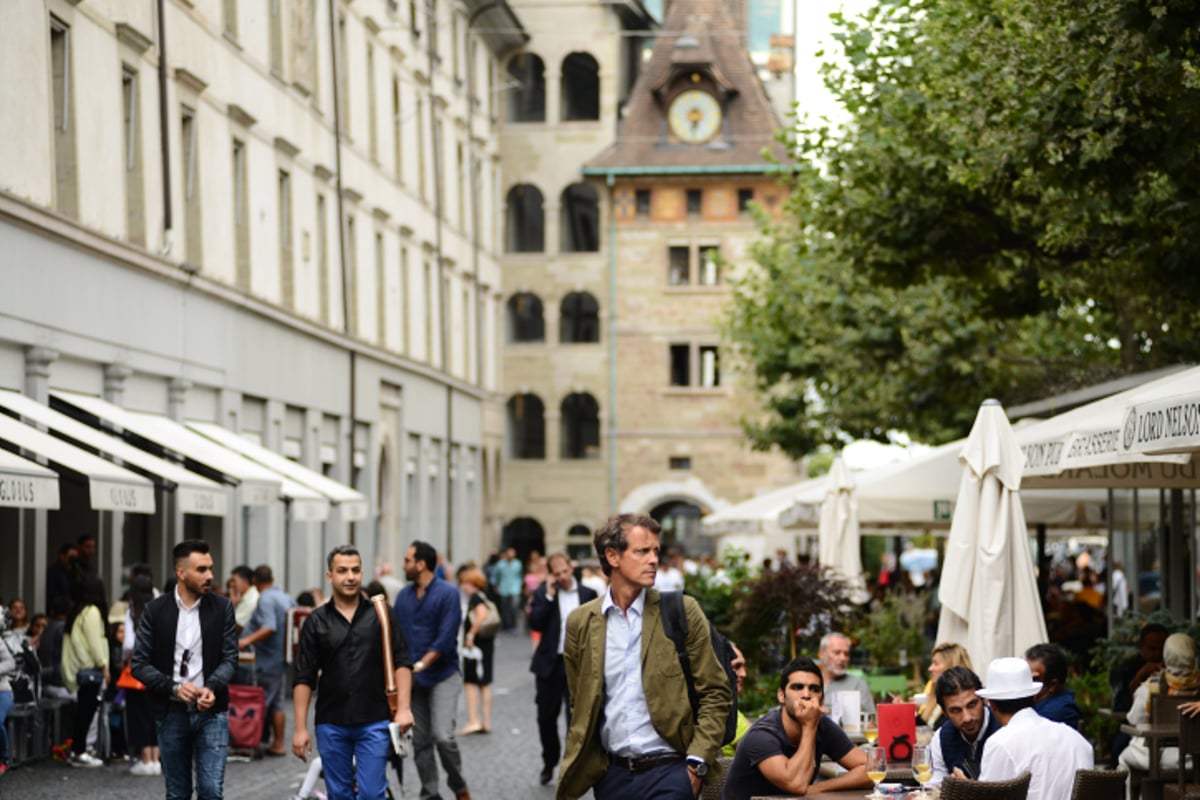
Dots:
pixel 675 625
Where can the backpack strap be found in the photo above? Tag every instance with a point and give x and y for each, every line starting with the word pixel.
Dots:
pixel 675 626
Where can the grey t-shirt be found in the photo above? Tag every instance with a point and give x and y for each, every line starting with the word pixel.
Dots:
pixel 852 683
pixel 767 738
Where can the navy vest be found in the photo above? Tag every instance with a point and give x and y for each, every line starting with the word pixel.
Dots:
pixel 956 751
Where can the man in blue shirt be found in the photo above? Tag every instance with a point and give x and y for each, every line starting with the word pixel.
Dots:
pixel 267 632
pixel 509 575
pixel 430 614
pixel 1055 701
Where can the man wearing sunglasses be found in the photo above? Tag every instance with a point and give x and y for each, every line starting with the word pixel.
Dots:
pixel 782 751
pixel 186 653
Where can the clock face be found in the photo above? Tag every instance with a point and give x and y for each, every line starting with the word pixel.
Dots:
pixel 695 116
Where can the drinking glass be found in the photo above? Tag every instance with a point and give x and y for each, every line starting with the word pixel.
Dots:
pixel 876 767
pixel 870 727
pixel 922 768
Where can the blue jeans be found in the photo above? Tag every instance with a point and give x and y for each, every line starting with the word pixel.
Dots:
pixel 199 737
pixel 350 752
pixel 6 704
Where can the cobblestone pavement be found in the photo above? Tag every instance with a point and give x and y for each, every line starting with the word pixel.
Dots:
pixel 502 765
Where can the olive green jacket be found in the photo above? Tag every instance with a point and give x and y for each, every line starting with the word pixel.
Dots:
pixel 585 760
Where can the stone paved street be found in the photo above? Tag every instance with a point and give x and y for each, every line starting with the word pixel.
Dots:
pixel 502 765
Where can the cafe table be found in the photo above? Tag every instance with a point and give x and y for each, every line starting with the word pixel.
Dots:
pixel 1157 736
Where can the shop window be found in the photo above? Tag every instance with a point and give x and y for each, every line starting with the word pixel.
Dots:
pixel 525 98
pixel 525 322
pixel 580 87
pixel 525 220
pixel 580 427
pixel 526 427
pixel 580 319
pixel 580 227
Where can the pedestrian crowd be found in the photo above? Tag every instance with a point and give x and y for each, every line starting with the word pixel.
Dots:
pixel 648 687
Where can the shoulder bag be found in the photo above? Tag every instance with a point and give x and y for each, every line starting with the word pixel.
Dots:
pixel 389 668
pixel 491 623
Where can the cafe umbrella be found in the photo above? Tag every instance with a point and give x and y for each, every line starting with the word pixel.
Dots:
pixel 838 533
pixel 988 589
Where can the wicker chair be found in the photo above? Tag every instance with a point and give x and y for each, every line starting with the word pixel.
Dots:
pixel 1099 784
pixel 960 789
pixel 712 789
pixel 1188 786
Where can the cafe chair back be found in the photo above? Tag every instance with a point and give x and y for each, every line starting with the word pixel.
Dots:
pixel 713 788
pixel 1099 784
pixel 1188 786
pixel 961 789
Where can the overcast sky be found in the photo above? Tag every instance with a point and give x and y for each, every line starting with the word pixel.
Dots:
pixel 813 33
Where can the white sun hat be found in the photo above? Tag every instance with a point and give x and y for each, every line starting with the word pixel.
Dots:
pixel 1009 679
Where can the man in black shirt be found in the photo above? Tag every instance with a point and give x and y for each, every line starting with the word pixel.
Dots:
pixel 341 655
pixel 781 752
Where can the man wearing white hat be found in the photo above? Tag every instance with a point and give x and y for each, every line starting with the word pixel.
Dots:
pixel 1050 751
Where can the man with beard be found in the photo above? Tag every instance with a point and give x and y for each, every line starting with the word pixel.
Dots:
pixel 959 745
pixel 782 751
pixel 341 656
pixel 430 616
pixel 185 654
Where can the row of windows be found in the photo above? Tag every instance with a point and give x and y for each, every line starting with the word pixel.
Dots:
pixel 579 219
pixel 579 319
pixel 579 427
pixel 579 88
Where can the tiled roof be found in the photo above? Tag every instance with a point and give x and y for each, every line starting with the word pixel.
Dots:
pixel 698 35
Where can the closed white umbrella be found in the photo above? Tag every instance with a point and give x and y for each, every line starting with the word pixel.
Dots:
pixel 988 590
pixel 838 544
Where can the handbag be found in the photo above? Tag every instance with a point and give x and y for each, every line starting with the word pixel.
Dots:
pixel 491 623
pixel 89 678
pixel 127 681
pixel 389 668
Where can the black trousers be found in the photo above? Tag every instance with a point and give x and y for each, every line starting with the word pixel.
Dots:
pixel 552 695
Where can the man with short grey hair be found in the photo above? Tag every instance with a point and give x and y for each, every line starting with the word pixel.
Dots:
pixel 834 656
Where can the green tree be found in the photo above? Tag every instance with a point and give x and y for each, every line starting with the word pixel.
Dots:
pixel 1011 212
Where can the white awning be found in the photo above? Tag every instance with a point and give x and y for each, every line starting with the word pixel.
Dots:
pixel 24 484
pixel 194 493
pixel 110 488
pixel 352 504
pixel 1167 425
pixel 259 486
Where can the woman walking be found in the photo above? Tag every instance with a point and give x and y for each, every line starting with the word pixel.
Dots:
pixel 85 664
pixel 477 654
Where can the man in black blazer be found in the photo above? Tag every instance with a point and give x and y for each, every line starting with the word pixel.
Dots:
pixel 185 653
pixel 552 603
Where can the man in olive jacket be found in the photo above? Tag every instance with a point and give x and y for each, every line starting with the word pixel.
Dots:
pixel 633 732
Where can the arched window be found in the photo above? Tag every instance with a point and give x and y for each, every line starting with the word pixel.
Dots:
pixel 526 427
pixel 580 219
pixel 525 322
pixel 580 87
pixel 580 426
pixel 580 319
pixel 523 534
pixel 525 97
pixel 526 219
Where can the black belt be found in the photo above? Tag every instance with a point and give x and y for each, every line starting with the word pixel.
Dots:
pixel 642 763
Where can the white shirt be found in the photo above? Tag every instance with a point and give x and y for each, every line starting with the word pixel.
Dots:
pixel 188 640
pixel 568 601
pixel 1051 751
pixel 627 730
pixel 937 761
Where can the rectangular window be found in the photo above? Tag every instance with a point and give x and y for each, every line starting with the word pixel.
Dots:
pixel 275 19
pixel 66 186
pixel 135 184
pixel 381 292
pixel 241 217
pixel 745 197
pixel 461 176
pixel 710 367
pixel 678 257
pixel 642 203
pixel 351 276
pixel 322 259
pixel 372 114
pixel 421 148
pixel 397 132
pixel 432 12
pixel 343 74
pixel 193 235
pixel 454 58
pixel 681 372
pixel 429 308
pixel 413 25
pixel 229 17
pixel 694 199
pixel 710 265
pixel 287 274
pixel 402 306
pixel 679 463
pixel 439 170
pixel 491 86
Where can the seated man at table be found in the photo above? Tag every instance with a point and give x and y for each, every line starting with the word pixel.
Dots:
pixel 834 655
pixel 1055 701
pixel 959 743
pixel 1050 751
pixel 782 750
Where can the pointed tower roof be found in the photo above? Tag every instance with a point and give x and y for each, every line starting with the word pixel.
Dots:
pixel 700 38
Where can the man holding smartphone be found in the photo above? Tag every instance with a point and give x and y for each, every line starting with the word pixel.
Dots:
pixel 341 655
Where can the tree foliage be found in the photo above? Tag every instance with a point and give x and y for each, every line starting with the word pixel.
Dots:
pixel 1011 212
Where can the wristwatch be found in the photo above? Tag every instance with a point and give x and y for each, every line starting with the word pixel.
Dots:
pixel 417 667
pixel 701 767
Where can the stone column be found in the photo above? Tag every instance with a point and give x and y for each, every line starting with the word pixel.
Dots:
pixel 115 376
pixel 35 522
pixel 177 391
